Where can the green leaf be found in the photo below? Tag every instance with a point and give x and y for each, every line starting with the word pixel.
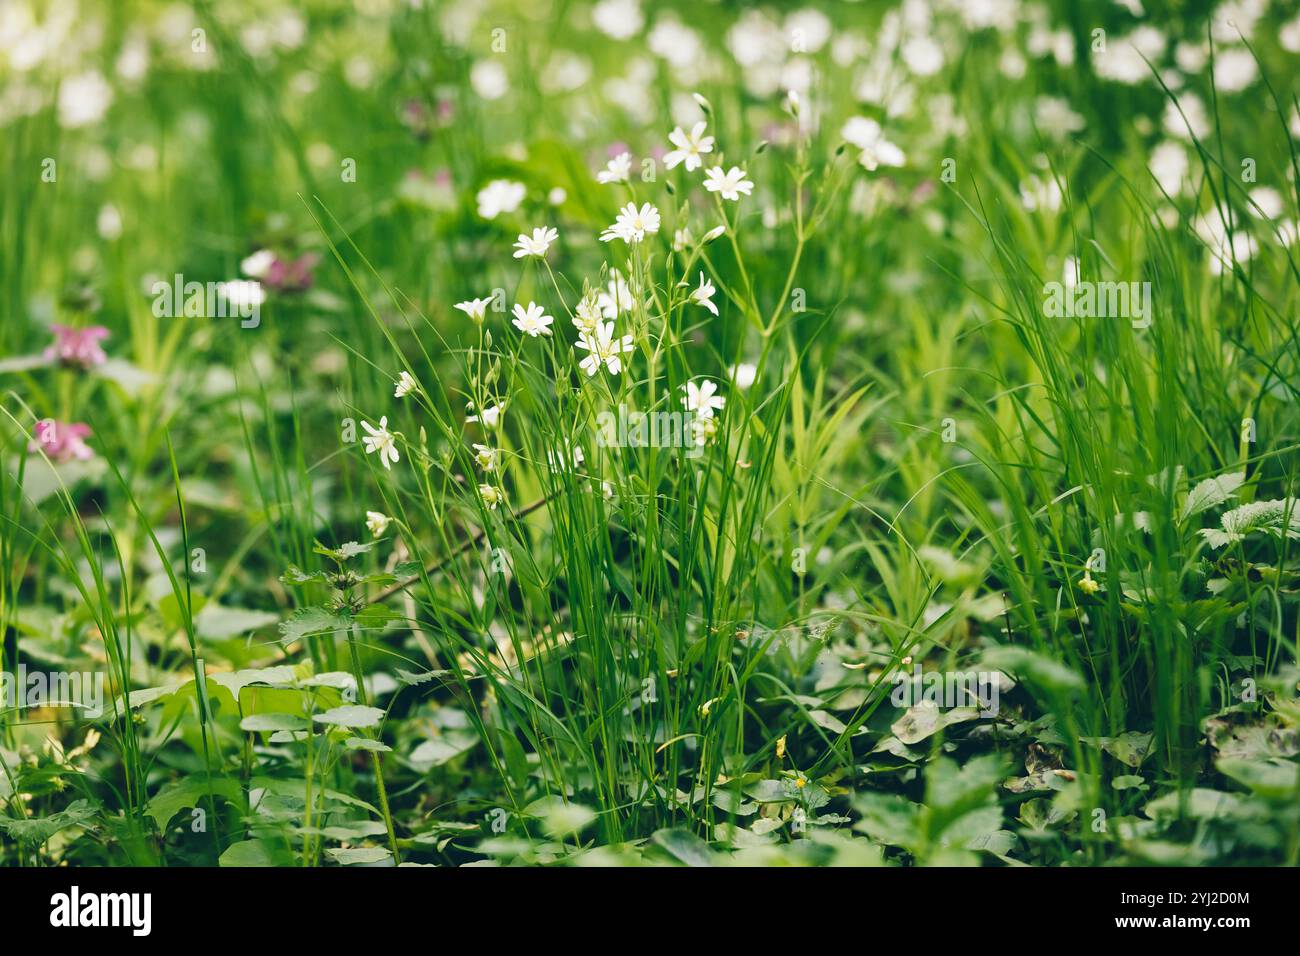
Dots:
pixel 350 715
pixel 312 620
pixel 36 831
pixel 684 847
pixel 363 856
pixel 190 792
pixel 1211 492
pixel 255 853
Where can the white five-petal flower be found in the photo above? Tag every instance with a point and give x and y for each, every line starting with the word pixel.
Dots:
pixel 377 522
pixel 689 147
pixel 380 440
pixel 533 320
pixel 702 399
pixel 405 385
pixel 476 309
pixel 537 244
pixel 618 170
pixel 603 346
pixel 486 457
pixel 490 416
pixel 632 224
pixel 730 184
pixel 703 296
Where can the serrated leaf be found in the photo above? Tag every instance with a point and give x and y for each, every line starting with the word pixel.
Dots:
pixel 1211 492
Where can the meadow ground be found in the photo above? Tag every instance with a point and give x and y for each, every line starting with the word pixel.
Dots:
pixel 649 433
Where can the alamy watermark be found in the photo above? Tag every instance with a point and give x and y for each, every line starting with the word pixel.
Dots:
pixel 625 429
pixel 24 689
pixel 948 689
pixel 1099 300
pixel 209 300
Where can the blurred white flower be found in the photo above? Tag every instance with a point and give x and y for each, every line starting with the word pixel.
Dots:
pixel 923 56
pixel 617 170
pixel 537 244
pixel 498 196
pixel 671 40
pixel 703 296
pixel 728 185
pixel 380 440
pixel 258 264
pixel 1042 194
pixel 83 99
pixel 533 321
pixel 619 19
pixel 743 374
pixel 242 293
pixel 1289 35
pixel 616 297
pixel 809 29
pixel 489 79
pixel 689 147
pixel 1169 166
pixel 1269 200
pixel 1055 117
pixel 491 496
pixel 1234 69
pixel 377 522
pixel 1070 272
pixel 1187 118
pixel 867 135
pixel 109 223
pixel 1125 58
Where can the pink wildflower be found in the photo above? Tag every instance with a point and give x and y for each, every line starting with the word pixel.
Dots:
pixel 78 346
pixel 62 441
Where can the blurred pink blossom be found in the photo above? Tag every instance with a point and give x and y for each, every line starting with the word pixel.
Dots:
pixel 62 441
pixel 78 346
pixel 291 275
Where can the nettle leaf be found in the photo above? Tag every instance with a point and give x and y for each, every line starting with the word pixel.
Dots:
pixel 1130 748
pixel 376 617
pixel 218 622
pixel 37 831
pixel 1278 518
pixel 926 719
pixel 410 680
pixel 350 715
pixel 235 681
pixel 1212 492
pixel 362 856
pixel 296 576
pixel 349 549
pixel 312 620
